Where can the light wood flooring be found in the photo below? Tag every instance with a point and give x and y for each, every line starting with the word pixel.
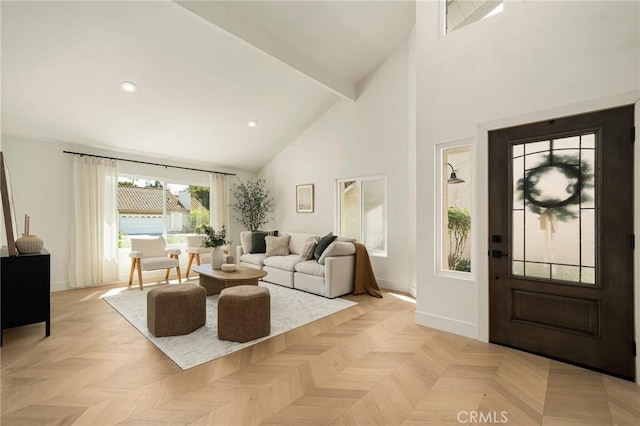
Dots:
pixel 367 365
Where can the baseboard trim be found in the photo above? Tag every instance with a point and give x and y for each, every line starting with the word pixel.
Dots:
pixel 451 325
pixel 390 285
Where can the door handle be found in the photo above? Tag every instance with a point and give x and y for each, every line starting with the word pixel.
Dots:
pixel 498 253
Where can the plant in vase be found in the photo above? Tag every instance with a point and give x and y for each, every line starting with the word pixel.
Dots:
pixel 214 240
pixel 253 204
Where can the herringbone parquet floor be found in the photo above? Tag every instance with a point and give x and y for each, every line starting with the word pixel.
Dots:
pixel 366 365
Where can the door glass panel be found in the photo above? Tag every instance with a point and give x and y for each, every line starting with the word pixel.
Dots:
pixel 533 147
pixel 517 268
pixel 588 275
pixel 518 173
pixel 536 270
pixel 572 142
pixel 588 242
pixel 588 141
pixel 553 209
pixel 517 248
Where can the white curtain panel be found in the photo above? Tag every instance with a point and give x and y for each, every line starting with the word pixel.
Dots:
pixel 94 225
pixel 219 200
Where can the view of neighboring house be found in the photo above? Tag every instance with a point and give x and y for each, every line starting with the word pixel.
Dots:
pixel 141 210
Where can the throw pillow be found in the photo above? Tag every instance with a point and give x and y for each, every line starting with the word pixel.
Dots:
pixel 258 245
pixel 277 246
pixel 245 241
pixel 307 250
pixel 323 244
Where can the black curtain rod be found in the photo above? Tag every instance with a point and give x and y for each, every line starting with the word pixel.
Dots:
pixel 146 162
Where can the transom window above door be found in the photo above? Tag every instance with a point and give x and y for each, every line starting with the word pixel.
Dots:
pixel 460 13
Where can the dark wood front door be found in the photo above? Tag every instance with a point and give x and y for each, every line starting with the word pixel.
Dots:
pixel 561 239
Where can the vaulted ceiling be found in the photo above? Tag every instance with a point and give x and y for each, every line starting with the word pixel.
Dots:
pixel 203 70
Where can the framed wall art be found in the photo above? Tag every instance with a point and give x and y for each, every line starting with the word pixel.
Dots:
pixel 304 198
pixel 7 207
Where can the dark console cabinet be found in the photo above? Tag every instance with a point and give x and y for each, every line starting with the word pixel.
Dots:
pixel 25 289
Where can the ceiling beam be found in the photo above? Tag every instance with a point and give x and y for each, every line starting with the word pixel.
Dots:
pixel 226 19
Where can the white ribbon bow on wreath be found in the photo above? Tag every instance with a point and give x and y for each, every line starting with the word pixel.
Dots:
pixel 549 224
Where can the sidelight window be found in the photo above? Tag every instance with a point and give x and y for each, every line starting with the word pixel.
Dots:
pixel 455 208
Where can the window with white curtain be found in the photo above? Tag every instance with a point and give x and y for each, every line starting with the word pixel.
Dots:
pixel 362 212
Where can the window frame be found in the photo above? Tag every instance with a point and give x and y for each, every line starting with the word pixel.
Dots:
pixel 338 224
pixel 439 180
pixel 166 216
pixel 444 4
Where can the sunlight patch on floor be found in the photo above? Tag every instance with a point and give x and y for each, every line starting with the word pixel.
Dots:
pixel 134 286
pixel 403 297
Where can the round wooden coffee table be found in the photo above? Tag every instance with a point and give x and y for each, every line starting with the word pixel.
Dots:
pixel 214 280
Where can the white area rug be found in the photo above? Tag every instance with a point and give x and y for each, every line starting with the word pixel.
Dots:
pixel 289 309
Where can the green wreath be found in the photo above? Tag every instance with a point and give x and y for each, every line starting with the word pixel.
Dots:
pixel 576 171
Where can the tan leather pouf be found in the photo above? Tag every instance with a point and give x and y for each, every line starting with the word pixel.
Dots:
pixel 244 313
pixel 175 310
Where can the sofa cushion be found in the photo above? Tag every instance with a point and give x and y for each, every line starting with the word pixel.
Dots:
pixel 277 246
pixel 337 248
pixel 298 240
pixel 153 263
pixel 254 258
pixel 310 267
pixel 307 251
pixel 287 263
pixel 323 244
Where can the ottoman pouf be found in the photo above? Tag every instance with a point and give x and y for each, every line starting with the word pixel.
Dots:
pixel 244 313
pixel 176 309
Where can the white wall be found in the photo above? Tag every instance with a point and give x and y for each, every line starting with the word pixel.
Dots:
pixel 354 139
pixel 41 185
pixel 535 60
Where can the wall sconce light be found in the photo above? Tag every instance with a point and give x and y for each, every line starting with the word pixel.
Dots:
pixel 453 178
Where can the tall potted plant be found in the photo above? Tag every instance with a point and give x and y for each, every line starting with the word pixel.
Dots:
pixel 215 240
pixel 253 203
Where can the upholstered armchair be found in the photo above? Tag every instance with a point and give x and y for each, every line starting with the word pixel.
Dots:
pixel 196 251
pixel 150 254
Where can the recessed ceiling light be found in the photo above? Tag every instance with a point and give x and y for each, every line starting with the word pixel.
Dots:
pixel 253 123
pixel 128 86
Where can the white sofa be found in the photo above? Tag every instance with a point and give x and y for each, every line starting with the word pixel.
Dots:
pixel 330 276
